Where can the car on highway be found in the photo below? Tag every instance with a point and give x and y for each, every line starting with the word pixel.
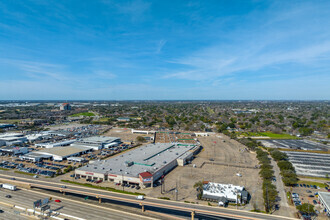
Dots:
pixel 63 186
pixel 1 211
pixel 57 200
pixel 8 196
pixel 13 178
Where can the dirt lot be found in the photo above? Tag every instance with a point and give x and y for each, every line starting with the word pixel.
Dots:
pixel 125 134
pixel 230 153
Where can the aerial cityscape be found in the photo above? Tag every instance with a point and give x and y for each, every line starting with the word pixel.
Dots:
pixel 143 109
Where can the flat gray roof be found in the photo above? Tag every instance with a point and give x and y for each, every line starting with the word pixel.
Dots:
pixel 63 151
pixel 148 158
pixel 98 139
pixel 326 198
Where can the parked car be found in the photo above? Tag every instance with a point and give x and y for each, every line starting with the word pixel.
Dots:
pixel 314 201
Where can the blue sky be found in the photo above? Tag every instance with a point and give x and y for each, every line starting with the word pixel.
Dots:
pixel 119 50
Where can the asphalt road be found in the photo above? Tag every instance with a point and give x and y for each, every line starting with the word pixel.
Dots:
pixel 285 209
pixel 67 208
pixel 163 206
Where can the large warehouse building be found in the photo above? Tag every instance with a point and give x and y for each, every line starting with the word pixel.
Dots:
pixel 141 166
pixel 56 154
pixel 97 142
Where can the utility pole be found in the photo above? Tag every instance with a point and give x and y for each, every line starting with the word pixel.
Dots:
pixel 122 180
pixel 176 191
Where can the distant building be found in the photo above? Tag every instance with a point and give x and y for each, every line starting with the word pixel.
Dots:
pixel 65 106
pixel 123 119
pixel 12 150
pixel 9 139
pixel 97 142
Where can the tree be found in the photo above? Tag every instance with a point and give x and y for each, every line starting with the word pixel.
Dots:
pixel 199 187
pixel 306 208
pixel 140 139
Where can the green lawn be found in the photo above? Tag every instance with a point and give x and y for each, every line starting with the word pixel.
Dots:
pixel 29 174
pixel 89 114
pixel 104 188
pixel 269 134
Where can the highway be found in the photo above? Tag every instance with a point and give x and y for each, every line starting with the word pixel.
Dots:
pixel 164 206
pixel 67 208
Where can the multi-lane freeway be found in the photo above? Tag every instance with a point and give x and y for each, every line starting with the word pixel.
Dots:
pixel 162 206
pixel 67 208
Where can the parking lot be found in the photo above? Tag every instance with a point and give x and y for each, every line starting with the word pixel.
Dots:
pixel 307 193
pixel 295 144
pixel 310 164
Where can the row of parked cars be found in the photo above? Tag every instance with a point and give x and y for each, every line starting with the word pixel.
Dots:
pixel 47 167
pixel 129 186
pixel 308 186
pixel 10 165
pixel 296 199
pixel 38 171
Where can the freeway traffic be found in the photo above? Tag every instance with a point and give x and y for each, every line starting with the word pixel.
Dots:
pixel 197 210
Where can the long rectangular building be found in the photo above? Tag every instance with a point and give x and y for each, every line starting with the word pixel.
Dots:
pixel 141 166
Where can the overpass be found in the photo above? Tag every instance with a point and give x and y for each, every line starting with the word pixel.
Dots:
pixel 130 200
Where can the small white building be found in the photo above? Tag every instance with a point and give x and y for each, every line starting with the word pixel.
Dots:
pixel 201 134
pixel 232 193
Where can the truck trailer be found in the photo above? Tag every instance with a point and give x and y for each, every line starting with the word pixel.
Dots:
pixel 9 186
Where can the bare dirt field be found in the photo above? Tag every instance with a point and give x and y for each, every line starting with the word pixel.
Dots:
pixel 228 159
pixel 124 133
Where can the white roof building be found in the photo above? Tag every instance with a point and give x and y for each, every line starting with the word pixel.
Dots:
pixel 229 191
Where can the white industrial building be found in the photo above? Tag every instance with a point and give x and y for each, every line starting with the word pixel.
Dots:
pixel 142 131
pixel 140 166
pixel 9 139
pixel 201 134
pixel 324 198
pixel 13 150
pixel 223 193
pixel 56 144
pixel 57 153
pixel 97 142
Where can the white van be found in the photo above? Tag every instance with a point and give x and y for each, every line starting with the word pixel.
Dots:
pixel 140 197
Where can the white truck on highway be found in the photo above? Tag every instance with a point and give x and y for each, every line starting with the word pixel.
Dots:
pixel 9 186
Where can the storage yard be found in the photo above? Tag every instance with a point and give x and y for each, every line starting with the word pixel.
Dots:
pixel 295 144
pixel 310 164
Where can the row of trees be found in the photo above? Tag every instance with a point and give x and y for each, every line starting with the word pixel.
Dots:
pixel 288 172
pixel 267 173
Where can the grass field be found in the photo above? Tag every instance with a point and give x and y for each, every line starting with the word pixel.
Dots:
pixel 104 188
pixel 10 121
pixel 315 178
pixel 89 114
pixel 312 183
pixel 29 174
pixel 269 134
pixel 305 151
